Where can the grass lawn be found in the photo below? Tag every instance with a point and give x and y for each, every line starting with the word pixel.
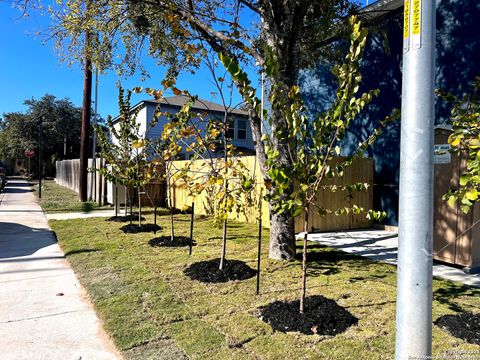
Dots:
pixel 153 311
pixel 56 198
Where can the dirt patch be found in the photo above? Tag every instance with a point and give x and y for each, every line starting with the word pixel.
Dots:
pixel 322 316
pixel 166 241
pixel 124 218
pixel 465 326
pixel 208 271
pixel 134 228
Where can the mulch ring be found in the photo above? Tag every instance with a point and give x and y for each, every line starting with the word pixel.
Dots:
pixel 124 218
pixel 322 316
pixel 134 228
pixel 465 326
pixel 208 271
pixel 166 241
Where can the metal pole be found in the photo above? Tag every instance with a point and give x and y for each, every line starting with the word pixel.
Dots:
pixel 192 218
pixel 414 271
pixel 259 252
pixel 40 170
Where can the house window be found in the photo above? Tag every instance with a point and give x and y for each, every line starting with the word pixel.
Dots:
pixel 241 129
pixel 230 129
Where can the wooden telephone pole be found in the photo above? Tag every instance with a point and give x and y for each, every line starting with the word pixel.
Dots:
pixel 87 104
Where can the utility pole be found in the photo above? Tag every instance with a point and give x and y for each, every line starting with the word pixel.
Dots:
pixel 40 168
pixel 94 147
pixel 87 104
pixel 414 271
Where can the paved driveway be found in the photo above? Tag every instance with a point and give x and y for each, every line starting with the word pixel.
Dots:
pixel 382 245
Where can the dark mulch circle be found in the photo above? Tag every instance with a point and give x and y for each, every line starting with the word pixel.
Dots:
pixel 178 241
pixel 322 316
pixel 208 272
pixel 124 218
pixel 465 326
pixel 134 228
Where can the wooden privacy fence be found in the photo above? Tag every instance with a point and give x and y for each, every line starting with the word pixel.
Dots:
pixel 68 175
pixel 360 171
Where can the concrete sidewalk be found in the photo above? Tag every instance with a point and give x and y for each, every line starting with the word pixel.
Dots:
pixel 382 245
pixel 44 312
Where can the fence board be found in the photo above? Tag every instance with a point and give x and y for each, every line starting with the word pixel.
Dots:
pixel 68 175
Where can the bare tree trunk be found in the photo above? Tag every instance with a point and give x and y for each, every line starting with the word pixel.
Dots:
pixel 126 199
pixel 225 184
pixel 116 200
pixel 304 262
pixel 170 205
pixel 282 236
pixel 139 208
pixel 224 245
pixel 130 202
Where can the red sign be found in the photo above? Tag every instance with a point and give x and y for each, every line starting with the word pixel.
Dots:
pixel 29 153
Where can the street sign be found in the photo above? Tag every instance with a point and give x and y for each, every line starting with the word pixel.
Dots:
pixel 29 154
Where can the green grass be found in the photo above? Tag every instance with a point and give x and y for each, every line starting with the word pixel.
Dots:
pixel 153 311
pixel 56 198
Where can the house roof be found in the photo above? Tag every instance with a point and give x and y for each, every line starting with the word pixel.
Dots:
pixel 180 100
pixel 200 104
pixel 380 9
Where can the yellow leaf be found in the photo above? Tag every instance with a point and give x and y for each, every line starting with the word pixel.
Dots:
pixel 472 194
pixel 451 201
pixel 454 141
pixel 138 144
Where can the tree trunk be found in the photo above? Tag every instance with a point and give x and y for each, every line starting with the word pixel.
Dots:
pixel 224 245
pixel 130 201
pixel 225 184
pixel 282 237
pixel 282 231
pixel 170 205
pixel 126 199
pixel 304 262
pixel 139 208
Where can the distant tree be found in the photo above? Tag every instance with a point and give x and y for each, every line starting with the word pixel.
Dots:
pixel 19 131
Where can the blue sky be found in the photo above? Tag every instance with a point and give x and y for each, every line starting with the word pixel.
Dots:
pixel 31 69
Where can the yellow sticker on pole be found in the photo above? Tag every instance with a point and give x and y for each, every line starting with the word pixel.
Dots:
pixel 416 24
pixel 406 19
pixel 406 25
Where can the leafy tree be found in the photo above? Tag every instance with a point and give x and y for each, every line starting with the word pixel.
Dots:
pixel 465 141
pixel 291 33
pixel 125 155
pixel 221 174
pixel 313 145
pixel 61 130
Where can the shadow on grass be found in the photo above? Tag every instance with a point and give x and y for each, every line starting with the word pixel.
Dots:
pixel 80 251
pixel 323 260
pixel 447 295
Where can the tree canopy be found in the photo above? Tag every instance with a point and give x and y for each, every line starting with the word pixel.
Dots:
pixel 19 131
pixel 286 35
